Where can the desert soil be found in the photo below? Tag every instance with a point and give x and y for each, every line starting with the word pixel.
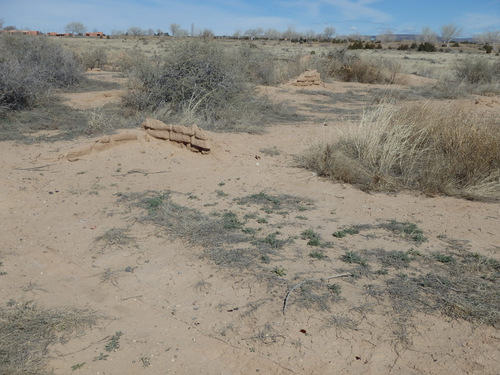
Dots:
pixel 180 312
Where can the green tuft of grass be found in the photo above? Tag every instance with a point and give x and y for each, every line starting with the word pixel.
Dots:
pixel 353 257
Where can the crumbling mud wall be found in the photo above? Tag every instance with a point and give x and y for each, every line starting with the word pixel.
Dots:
pixel 193 138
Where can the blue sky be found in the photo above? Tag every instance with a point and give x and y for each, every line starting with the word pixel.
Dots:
pixel 224 17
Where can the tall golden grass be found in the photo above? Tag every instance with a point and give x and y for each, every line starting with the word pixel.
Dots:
pixel 424 146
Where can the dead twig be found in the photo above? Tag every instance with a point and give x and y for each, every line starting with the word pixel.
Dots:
pixel 305 281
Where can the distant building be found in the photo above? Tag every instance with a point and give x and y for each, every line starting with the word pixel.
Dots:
pixel 97 34
pixel 59 34
pixel 24 32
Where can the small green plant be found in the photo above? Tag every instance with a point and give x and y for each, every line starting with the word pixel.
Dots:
pixel 409 230
pixel 101 357
pixel 273 241
pixel 250 231
pixel 230 221
pixel 262 220
pixel 444 258
pixel 78 366
pixel 280 271
pixel 344 232
pixel 313 237
pixel 221 193
pixel 353 257
pixel 114 342
pixel 154 203
pixel 339 234
pixel 317 255
pixel 334 288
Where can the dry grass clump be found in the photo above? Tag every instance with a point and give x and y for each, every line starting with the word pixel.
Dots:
pixel 29 67
pixel 27 332
pixel 420 146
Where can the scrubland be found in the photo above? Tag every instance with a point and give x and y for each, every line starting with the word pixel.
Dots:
pixel 348 227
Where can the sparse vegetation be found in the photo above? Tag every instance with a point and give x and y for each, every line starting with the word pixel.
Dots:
pixel 28 331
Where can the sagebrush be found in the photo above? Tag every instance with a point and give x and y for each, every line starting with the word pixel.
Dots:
pixel 30 66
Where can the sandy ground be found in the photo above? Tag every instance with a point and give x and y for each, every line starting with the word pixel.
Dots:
pixel 181 314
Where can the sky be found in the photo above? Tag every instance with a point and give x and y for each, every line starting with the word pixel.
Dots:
pixel 225 17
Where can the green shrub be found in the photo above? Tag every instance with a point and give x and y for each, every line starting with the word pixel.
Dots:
pixel 426 47
pixel 488 48
pixel 30 66
pixel 356 45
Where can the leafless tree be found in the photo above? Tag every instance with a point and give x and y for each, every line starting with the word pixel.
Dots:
pixel 1 23
pixel 490 37
pixel 174 29
pixel 448 32
pixel 207 34
pixel 310 35
pixel 76 28
pixel 252 33
pixel 427 35
pixel 290 32
pixel 387 37
pixel 237 34
pixel 135 31
pixel 272 34
pixel 329 32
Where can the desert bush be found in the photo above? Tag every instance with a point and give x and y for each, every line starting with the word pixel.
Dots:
pixel 349 67
pixel 93 58
pixel 29 66
pixel 264 68
pixel 453 152
pixel 199 82
pixel 194 76
pixel 477 70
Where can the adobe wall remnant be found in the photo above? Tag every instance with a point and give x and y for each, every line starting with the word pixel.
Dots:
pixel 193 138
pixel 103 143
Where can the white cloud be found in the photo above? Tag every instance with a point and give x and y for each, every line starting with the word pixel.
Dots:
pixel 479 22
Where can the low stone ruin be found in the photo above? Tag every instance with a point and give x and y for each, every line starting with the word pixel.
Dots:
pixel 308 78
pixel 193 138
